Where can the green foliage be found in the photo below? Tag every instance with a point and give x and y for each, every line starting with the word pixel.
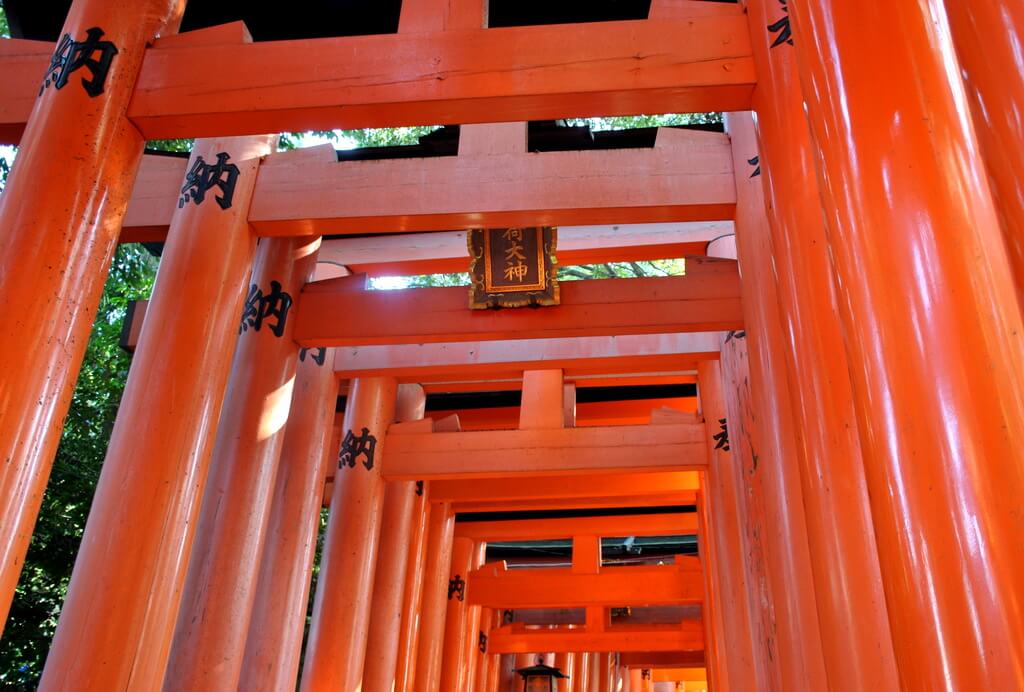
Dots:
pixel 44 579
pixel 607 270
pixel 5 29
pixel 178 145
pixel 626 122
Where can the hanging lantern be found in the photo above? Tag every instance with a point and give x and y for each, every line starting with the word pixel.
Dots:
pixel 541 678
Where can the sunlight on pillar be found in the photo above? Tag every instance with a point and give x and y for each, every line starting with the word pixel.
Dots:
pixel 275 410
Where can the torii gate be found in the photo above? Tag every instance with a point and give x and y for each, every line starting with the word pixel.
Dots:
pixel 871 491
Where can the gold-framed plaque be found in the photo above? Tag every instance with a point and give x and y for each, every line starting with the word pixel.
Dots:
pixel 512 267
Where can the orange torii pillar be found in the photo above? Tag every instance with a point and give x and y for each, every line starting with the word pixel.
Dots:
pixel 471 643
pixel 856 641
pixel 412 595
pixel 392 561
pixel 639 680
pixel 441 530
pixel 274 643
pixel 341 607
pixel 711 607
pixel 724 548
pixel 506 673
pixel 216 604
pixel 565 662
pixel 484 659
pixel 454 665
pixel 61 214
pixel 988 35
pixel 582 669
pixel 126 587
pixel 771 465
pixel 932 322
pixel 593 671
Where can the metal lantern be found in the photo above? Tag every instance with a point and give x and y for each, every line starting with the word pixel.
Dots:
pixel 541 678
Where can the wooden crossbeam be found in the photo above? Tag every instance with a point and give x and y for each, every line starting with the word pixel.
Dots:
pixel 619 487
pixel 490 360
pixel 658 500
pixel 516 639
pixel 659 615
pixel 693 64
pixel 540 529
pixel 496 586
pixel 662 659
pixel 445 251
pixel 686 177
pixel 679 674
pixel 499 453
pixel 333 313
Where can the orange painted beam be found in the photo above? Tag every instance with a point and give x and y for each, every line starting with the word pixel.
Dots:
pixel 496 586
pixel 475 75
pixel 580 381
pixel 651 353
pixel 685 638
pixel 590 414
pixel 661 659
pixel 706 299
pixel 445 251
pixel 661 500
pixel 539 529
pixel 23 62
pixel 686 177
pixel 692 64
pixel 619 486
pixel 679 674
pixel 500 453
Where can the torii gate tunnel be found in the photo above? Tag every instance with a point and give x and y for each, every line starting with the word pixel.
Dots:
pixel 796 467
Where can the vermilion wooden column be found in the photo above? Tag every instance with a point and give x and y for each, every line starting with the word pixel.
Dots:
pixel 583 672
pixel 711 607
pixel 412 595
pixel 793 638
pixel 274 643
pixel 856 642
pixel 727 564
pixel 124 593
pixel 605 672
pixel 341 607
pixel 392 562
pixel 209 639
pixel 593 671
pixel 565 663
pixel 484 657
pixel 435 598
pixel 454 663
pixel 988 35
pixel 61 214
pixel 933 333
pixel 506 677
pixel 638 682
pixel 471 641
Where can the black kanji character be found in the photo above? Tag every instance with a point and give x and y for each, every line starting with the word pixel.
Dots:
pixel 722 437
pixel 203 177
pixel 353 447
pixel 782 28
pixel 457 588
pixel 756 163
pixel 319 355
pixel 93 54
pixel 260 308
